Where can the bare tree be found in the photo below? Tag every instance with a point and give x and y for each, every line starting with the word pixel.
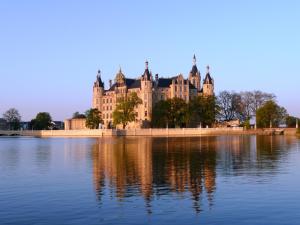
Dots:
pixel 229 104
pixel 13 118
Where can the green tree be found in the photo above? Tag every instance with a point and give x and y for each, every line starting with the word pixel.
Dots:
pixel 160 114
pixel 178 113
pixel 42 121
pixel 93 118
pixel 13 118
pixel 270 115
pixel 291 121
pixel 124 112
pixel 202 110
pixel 77 115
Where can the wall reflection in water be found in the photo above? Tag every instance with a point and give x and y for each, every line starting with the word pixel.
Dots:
pixel 153 167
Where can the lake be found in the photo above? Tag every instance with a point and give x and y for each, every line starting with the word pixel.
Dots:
pixel 130 180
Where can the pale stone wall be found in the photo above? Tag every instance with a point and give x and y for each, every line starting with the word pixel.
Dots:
pixel 75 124
pixel 174 132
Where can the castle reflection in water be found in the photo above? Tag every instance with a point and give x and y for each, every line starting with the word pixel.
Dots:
pixel 154 167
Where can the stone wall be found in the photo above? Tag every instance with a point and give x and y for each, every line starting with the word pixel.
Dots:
pixel 75 124
pixel 173 132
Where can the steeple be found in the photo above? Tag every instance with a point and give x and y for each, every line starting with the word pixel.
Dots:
pixel 194 70
pixel 194 60
pixel 208 79
pixel 147 74
pixel 146 64
pixel 99 80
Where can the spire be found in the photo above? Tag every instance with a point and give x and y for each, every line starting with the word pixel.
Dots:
pixel 147 74
pixel 207 68
pixel 98 79
pixel 208 79
pixel 194 70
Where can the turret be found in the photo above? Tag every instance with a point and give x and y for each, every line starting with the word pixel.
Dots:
pixel 208 84
pixel 98 91
pixel 194 76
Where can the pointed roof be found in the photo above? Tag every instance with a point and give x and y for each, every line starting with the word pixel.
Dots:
pixel 208 79
pixel 194 70
pixel 146 73
pixel 99 80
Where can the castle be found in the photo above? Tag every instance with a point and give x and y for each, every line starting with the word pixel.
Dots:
pixel 150 90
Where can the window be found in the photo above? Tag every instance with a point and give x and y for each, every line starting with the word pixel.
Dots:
pixel 103 108
pixel 110 100
pixel 103 100
pixel 175 88
pixel 146 114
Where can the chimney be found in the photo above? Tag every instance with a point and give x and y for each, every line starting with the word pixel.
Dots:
pixel 110 83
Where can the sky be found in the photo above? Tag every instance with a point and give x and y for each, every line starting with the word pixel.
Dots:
pixel 50 51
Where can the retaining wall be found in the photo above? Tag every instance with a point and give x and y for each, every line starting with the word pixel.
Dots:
pixel 143 132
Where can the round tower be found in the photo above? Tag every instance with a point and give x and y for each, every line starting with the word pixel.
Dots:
pixel 208 84
pixel 98 91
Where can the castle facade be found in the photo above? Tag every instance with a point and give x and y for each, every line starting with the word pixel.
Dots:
pixel 151 90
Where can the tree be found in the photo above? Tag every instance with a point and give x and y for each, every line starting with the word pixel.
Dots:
pixel 93 118
pixel 42 121
pixel 124 112
pixel 230 107
pixel 270 115
pixel 178 114
pixel 77 115
pixel 291 121
pixel 160 114
pixel 260 98
pixel 202 110
pixel 13 118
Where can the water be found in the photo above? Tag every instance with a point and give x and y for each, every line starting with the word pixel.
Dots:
pixel 207 180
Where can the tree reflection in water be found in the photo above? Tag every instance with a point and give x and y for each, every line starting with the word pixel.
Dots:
pixel 154 167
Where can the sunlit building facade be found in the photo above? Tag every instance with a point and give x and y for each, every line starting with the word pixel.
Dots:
pixel 150 89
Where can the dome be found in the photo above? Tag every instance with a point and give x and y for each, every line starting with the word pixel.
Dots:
pixel 120 77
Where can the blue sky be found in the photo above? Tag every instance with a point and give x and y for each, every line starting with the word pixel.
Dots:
pixel 50 51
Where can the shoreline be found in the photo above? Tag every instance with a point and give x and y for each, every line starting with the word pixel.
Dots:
pixel 171 132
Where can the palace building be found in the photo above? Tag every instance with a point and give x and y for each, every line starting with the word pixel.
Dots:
pixel 150 89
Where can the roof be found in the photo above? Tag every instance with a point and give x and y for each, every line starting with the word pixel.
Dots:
pixel 164 82
pixel 101 84
pixel 194 70
pixel 147 74
pixel 130 83
pixel 208 79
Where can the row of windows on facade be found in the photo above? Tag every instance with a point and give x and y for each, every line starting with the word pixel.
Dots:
pixel 180 88
pixel 109 115
pixel 104 101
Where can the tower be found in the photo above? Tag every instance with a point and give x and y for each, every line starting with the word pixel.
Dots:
pixel 146 93
pixel 120 81
pixel 208 84
pixel 194 76
pixel 98 91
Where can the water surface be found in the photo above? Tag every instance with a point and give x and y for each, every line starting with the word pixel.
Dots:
pixel 199 180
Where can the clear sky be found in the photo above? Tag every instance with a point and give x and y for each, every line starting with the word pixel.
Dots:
pixel 51 50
